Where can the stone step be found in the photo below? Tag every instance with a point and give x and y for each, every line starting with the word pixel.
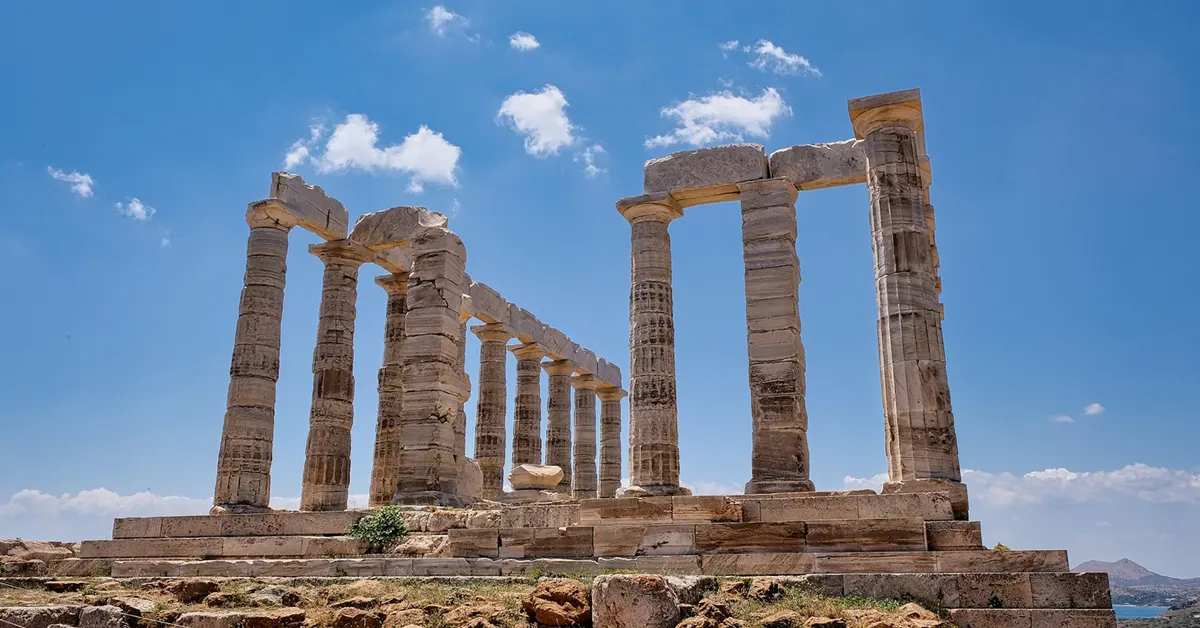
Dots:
pixel 263 524
pixel 1032 618
pixel 765 508
pixel 654 539
pixel 985 561
pixel 224 547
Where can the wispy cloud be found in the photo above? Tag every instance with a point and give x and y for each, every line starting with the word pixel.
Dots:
pixel 1092 409
pixel 1062 418
pixel 298 152
pixel 134 208
pixel 768 57
pixel 81 184
pixel 542 118
pixel 728 47
pixel 441 19
pixel 722 116
pixel 588 157
pixel 523 41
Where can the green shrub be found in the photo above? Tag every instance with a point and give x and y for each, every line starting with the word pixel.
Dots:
pixel 380 528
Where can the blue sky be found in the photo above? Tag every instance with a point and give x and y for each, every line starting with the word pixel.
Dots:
pixel 1060 135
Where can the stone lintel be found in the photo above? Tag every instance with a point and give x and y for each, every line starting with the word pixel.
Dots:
pixel 528 350
pixel 395 227
pixel 870 112
pixel 312 207
pixel 490 307
pixel 585 362
pixel 527 326
pixel 498 332
pixel 705 175
pixel 659 204
pixel 269 212
pixel 816 166
pixel 466 311
pixel 394 260
pixel 395 283
pixel 342 250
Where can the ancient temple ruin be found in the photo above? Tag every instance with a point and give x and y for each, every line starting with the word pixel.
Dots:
pixel 915 539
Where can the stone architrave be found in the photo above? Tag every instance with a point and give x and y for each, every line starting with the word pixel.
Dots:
pixel 527 404
pixel 391 393
pixel 558 420
pixel 653 416
pixel 326 482
pixel 921 443
pixel 610 439
pixel 779 458
pixel 491 406
pixel 432 381
pixel 244 462
pixel 583 484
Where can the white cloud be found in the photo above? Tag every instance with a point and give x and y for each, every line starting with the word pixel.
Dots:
pixel 100 502
pixel 542 118
pixel 440 18
pixel 81 184
pixel 425 155
pixel 728 47
pixel 523 41
pixel 1092 409
pixel 708 487
pixel 455 207
pixel 300 150
pixel 766 56
pixel 587 157
pixel 722 117
pixel 1062 418
pixel 164 240
pixel 135 209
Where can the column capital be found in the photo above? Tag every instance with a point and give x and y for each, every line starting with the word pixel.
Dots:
pixel 610 393
pixel 342 251
pixel 769 185
pixel 269 213
pixel 395 283
pixel 892 109
pixel 528 351
pixel 585 381
pixel 655 206
pixel 559 367
pixel 494 332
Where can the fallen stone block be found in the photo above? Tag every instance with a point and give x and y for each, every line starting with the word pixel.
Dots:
pixel 634 601
pixel 39 616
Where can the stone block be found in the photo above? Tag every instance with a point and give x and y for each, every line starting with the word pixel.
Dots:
pixel 585 361
pixel 481 543
pixel 950 536
pixel 208 619
pixel 628 601
pixel 756 564
pixel 625 510
pixel 455 567
pixel 80 567
pixel 939 590
pixel 816 166
pixel 1073 618
pixel 652 564
pixel 990 561
pixel 726 538
pixel 569 542
pixel 866 535
pixel 39 616
pixel 551 566
pixel 395 227
pixel 311 207
pixel 875 562
pixel 542 516
pixel 535 476
pixel 489 306
pixel 644 540
pixel 994 590
pixel 839 507
pixel 1070 590
pixel 706 175
pixel 705 509
pixel 525 324
pixel 991 617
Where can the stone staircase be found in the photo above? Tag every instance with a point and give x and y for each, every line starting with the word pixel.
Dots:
pixel 857 543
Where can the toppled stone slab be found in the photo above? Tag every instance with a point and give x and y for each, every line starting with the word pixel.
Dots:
pixel 706 175
pixel 395 227
pixel 39 616
pixel 310 205
pixel 816 166
pixel 535 476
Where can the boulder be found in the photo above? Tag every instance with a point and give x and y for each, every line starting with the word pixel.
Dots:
pixel 40 550
pixel 211 620
pixel 192 590
pixel 783 619
pixel 63 586
pixel 825 622
pixel 395 227
pixel 39 616
pixel 633 491
pixel 765 589
pixel 634 601
pixel 558 602
pixel 133 605
pixel 102 617
pixel 364 603
pixel 289 618
pixel 16 568
pixel 356 618
pixel 535 476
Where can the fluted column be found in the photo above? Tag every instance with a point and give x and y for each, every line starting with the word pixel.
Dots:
pixel 653 421
pixel 921 442
pixel 558 420
pixel 326 484
pixel 460 422
pixel 386 467
pixel 244 462
pixel 610 439
pixel 583 485
pixel 527 404
pixel 491 406
pixel 779 456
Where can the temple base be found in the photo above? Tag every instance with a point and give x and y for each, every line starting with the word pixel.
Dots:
pixel 432 498
pixel 763 487
pixel 653 490
pixel 238 509
pixel 957 490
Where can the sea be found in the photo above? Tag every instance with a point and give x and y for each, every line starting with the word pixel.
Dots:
pixel 1125 611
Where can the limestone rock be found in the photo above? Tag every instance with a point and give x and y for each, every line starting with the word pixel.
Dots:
pixel 356 618
pixel 211 620
pixel 632 491
pixel 362 603
pixel 39 550
pixel 558 602
pixel 63 586
pixel 816 166
pixel 634 601
pixel 783 619
pixel 102 617
pixel 765 589
pixel 481 519
pixel 39 616
pixel 535 476
pixel 290 618
pixel 422 546
pixel 395 227
pixel 192 590
pixel 14 568
pixel 825 622
pixel 133 605
pixel 444 519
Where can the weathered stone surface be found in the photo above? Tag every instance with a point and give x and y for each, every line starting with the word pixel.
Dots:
pixel 491 436
pixel 489 306
pixel 875 562
pixel 357 618
pixel 532 496
pixel 954 535
pixel 422 546
pixel 644 540
pixel 211 620
pixel 866 535
pixel 311 207
pixel 482 543
pixel 928 588
pixel 680 564
pixel 936 490
pixel 705 509
pixel 39 616
pixel 535 476
pixel 386 462
pixel 1074 618
pixel 230 547
pixel 558 418
pixel 816 166
pixel 994 590
pixel 527 412
pixel 584 479
pixel 191 591
pixel 263 524
pixel 395 227
pixel 570 542
pixel 625 510
pixel 454 567
pixel 610 440
pixel 558 602
pixel 705 175
pixel 756 564
pixel 750 538
pixel 634 601
pixel 102 617
pixel 553 566
pixel 1002 562
pixel 1070 590
pixel 991 617
pixel 541 516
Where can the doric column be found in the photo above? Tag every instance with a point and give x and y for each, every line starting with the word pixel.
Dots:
pixel 558 420
pixel 583 484
pixel 460 363
pixel 326 484
pixel 384 472
pixel 491 406
pixel 610 439
pixel 244 462
pixel 921 443
pixel 527 404
pixel 653 421
pixel 433 385
pixel 779 457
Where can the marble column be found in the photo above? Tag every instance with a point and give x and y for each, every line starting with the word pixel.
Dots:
pixel 391 393
pixel 921 443
pixel 433 384
pixel 460 422
pixel 610 439
pixel 779 455
pixel 244 462
pixel 527 404
pixel 558 420
pixel 491 407
pixel 583 485
pixel 653 421
pixel 326 483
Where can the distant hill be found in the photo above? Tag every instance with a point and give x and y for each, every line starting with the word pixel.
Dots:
pixel 1126 573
